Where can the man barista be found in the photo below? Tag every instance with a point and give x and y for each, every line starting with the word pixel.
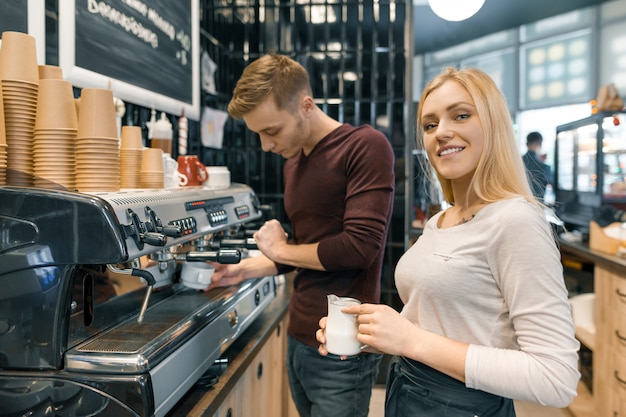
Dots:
pixel 338 190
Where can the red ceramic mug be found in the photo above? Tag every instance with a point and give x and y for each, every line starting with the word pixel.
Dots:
pixel 193 169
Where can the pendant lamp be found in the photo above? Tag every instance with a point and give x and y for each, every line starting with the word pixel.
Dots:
pixel 455 10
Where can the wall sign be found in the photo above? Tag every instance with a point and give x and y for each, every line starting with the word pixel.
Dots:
pixel 26 17
pixel 556 71
pixel 145 51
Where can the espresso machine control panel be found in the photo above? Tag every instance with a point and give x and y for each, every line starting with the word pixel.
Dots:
pixel 153 218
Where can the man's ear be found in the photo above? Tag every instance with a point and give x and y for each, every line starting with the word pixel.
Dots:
pixel 307 104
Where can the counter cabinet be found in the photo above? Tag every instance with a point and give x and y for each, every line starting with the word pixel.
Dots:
pixel 609 346
pixel 262 389
pixel 255 381
pixel 609 383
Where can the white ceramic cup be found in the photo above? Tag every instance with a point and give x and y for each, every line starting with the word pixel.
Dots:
pixel 219 177
pixel 171 177
pixel 196 275
pixel 341 328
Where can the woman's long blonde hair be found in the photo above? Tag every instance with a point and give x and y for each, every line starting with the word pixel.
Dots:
pixel 500 172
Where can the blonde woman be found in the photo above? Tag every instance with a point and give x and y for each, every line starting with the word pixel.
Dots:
pixel 486 318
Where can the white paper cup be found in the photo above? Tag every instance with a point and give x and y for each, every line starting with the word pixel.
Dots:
pixel 341 328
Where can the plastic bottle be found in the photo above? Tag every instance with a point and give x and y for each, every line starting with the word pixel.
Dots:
pixel 162 135
pixel 549 198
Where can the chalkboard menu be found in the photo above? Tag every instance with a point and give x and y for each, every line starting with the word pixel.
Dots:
pixel 26 17
pixel 145 51
pixel 13 16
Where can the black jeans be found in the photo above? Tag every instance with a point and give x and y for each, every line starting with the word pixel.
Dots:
pixel 416 390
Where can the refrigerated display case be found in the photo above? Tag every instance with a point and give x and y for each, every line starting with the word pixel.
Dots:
pixel 590 166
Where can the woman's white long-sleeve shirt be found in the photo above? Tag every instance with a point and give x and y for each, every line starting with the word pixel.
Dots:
pixel 496 282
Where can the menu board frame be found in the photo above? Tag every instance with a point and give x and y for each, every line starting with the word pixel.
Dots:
pixel 538 77
pixel 124 88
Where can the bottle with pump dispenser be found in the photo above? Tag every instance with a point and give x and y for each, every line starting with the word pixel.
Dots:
pixel 162 134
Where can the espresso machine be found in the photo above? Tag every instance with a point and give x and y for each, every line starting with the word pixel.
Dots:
pixel 102 304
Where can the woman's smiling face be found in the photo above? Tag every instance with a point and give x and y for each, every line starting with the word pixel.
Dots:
pixel 453 134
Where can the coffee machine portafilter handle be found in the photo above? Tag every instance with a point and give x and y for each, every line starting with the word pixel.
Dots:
pixel 248 243
pixel 223 256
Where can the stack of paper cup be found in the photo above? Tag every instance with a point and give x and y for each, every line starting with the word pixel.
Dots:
pixel 50 72
pixel 20 85
pixel 3 145
pixel 55 136
pixel 131 149
pixel 152 168
pixel 97 143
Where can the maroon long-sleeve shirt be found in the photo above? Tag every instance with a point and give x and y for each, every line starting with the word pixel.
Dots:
pixel 340 195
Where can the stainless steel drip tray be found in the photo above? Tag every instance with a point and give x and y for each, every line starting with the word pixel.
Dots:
pixel 131 348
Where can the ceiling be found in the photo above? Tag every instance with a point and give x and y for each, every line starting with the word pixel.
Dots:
pixel 432 33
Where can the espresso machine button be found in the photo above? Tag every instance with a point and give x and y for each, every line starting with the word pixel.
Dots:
pixel 154 239
pixel 154 224
pixel 140 233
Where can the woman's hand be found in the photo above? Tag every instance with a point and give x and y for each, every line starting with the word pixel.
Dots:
pixel 320 335
pixel 383 329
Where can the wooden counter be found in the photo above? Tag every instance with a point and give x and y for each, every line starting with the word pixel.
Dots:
pixel 241 354
pixel 609 344
pixel 609 262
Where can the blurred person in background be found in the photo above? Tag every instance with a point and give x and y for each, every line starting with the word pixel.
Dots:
pixel 539 173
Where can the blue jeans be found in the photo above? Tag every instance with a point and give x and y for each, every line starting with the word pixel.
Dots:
pixel 324 386
pixel 414 389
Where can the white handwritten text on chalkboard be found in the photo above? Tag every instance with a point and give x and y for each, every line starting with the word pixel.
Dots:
pixel 130 24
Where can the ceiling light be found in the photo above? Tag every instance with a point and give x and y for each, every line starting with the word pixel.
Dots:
pixel 455 10
pixel 350 76
pixel 323 14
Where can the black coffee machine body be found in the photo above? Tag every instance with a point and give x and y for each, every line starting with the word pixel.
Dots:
pixel 71 342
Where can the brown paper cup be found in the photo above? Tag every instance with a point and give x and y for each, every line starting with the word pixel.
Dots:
pixel 18 57
pixel 55 105
pixel 50 72
pixel 152 160
pixel 131 137
pixel 97 114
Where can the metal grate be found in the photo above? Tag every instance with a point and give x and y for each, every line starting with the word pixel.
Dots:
pixel 357 54
pixel 161 323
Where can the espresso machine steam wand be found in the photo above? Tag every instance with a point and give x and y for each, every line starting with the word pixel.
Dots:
pixel 141 273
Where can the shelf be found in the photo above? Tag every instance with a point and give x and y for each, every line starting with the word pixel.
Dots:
pixel 586 337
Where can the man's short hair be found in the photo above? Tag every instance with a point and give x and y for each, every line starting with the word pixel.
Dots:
pixel 533 138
